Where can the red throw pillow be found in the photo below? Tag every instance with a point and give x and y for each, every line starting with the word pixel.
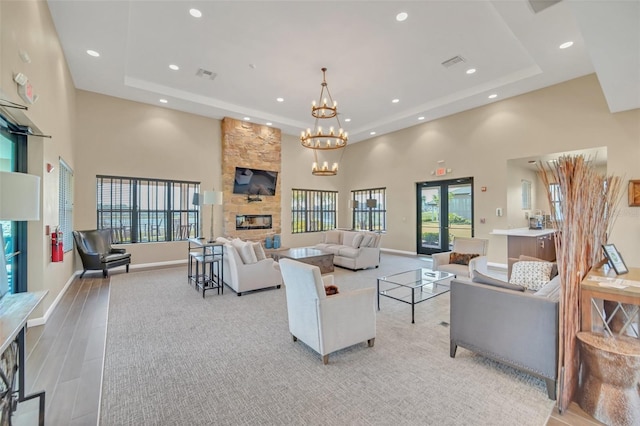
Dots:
pixel 330 289
pixel 461 258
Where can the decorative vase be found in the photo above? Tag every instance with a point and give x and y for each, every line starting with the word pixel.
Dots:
pixel 276 241
pixel 268 243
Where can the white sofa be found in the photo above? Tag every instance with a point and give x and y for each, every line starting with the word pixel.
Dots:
pixel 326 323
pixel 243 276
pixel 352 249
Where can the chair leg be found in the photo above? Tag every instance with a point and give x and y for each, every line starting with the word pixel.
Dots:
pixel 127 269
pixel 452 349
pixel 104 273
pixel 325 359
pixel 82 274
pixel 370 342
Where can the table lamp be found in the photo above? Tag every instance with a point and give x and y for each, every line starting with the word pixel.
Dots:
pixel 212 198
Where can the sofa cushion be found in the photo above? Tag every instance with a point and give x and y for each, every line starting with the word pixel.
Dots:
pixel 486 279
pixel 531 274
pixel 259 251
pixel 348 252
pixel 367 239
pixel 357 240
pixel 348 238
pixel 333 249
pixel 245 250
pixel 461 258
pixel 551 290
pixel 332 237
pixel 554 269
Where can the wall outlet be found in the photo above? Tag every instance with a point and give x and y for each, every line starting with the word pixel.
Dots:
pixel 499 211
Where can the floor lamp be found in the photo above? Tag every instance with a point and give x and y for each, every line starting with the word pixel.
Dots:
pixel 212 198
pixel 19 200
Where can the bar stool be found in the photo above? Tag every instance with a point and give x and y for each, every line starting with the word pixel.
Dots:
pixel 211 276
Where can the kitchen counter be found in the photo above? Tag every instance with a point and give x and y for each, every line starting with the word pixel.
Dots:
pixel 523 232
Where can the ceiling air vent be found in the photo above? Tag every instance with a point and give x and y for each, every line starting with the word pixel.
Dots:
pixel 206 74
pixel 540 5
pixel 452 61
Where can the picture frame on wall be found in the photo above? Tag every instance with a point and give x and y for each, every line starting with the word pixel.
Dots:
pixel 634 193
pixel 615 259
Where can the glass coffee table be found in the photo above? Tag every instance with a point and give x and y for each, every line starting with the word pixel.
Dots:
pixel 414 286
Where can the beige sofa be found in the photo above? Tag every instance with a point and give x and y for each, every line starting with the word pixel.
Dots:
pixel 352 249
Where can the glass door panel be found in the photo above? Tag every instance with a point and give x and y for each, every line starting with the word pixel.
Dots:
pixel 445 211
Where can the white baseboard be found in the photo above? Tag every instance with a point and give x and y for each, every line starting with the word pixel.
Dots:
pixel 34 322
pixel 403 252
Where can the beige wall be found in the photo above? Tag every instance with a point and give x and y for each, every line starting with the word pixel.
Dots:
pixel 27 26
pixel 566 117
pixel 122 138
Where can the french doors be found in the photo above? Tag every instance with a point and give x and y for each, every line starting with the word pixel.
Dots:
pixel 445 211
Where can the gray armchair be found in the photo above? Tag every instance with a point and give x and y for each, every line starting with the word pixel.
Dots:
pixel 513 327
pixel 94 248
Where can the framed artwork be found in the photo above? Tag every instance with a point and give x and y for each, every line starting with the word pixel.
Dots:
pixel 634 193
pixel 614 258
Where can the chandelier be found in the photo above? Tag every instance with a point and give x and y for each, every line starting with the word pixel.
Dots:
pixel 327 138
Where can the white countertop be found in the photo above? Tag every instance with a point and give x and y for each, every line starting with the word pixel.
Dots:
pixel 522 232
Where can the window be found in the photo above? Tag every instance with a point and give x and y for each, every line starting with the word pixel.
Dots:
pixel 313 211
pixel 65 205
pixel 556 208
pixel 139 210
pixel 369 209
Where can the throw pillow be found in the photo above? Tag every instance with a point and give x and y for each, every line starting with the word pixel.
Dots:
pixel 461 258
pixel 481 278
pixel 247 254
pixel 332 237
pixel 554 269
pixel 259 251
pixel 330 289
pixel 367 240
pixel 531 274
pixel 357 241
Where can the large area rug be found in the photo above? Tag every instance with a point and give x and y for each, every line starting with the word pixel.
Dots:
pixel 174 358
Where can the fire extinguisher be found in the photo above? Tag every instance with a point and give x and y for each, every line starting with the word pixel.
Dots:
pixel 56 246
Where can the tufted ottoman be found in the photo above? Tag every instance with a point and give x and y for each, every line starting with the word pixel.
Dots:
pixel 610 378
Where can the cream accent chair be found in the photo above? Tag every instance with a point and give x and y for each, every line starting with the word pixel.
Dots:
pixel 468 246
pixel 243 278
pixel 326 323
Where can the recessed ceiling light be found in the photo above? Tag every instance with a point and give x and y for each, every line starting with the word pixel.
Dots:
pixel 269 124
pixel 372 133
pixel 471 70
pixel 280 99
pixel 163 101
pixel 347 120
pixel 247 118
pixel 195 13
pixel 493 96
pixel 420 118
pixel 93 53
pixel 565 45
pixel 402 16
pixel 395 101
pixel 174 67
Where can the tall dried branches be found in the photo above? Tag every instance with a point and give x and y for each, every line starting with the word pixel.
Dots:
pixel 587 210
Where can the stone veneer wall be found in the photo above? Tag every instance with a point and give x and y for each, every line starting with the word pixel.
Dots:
pixel 250 145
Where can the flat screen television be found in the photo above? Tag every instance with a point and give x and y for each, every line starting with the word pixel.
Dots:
pixel 254 181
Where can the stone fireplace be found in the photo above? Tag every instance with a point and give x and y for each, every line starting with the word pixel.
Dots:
pixel 251 146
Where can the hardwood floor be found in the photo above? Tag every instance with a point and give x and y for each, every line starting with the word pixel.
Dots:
pixel 65 358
